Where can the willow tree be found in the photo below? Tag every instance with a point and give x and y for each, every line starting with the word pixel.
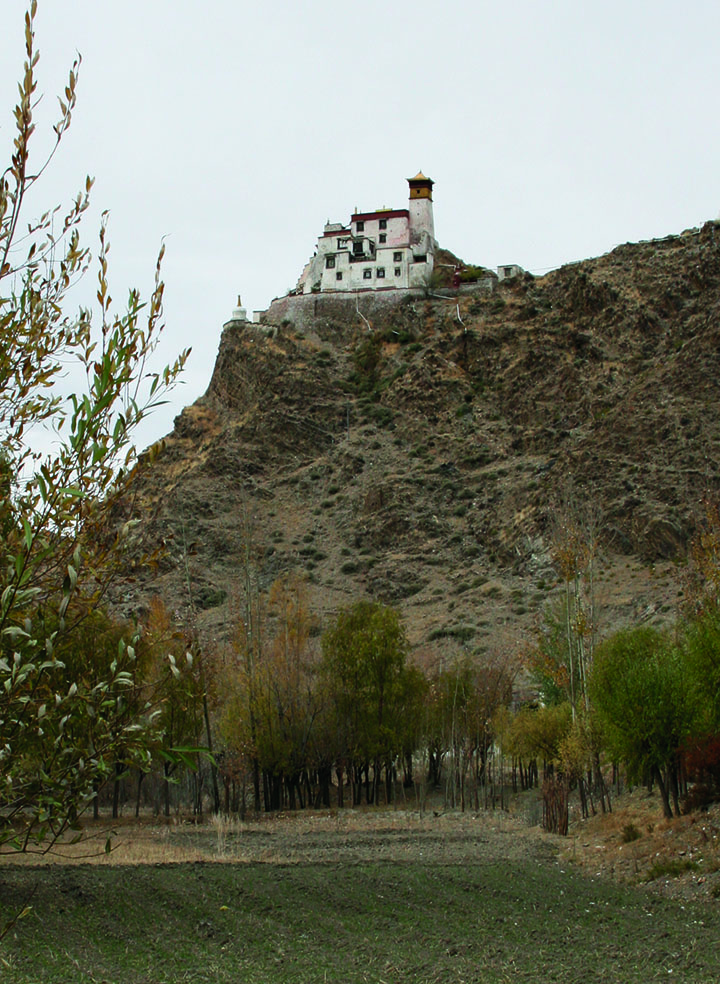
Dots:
pixel 364 655
pixel 648 703
pixel 61 734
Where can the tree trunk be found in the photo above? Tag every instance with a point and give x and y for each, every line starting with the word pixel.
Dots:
pixel 324 782
pixel 226 786
pixel 198 805
pixel 673 784
pixel 266 791
pixel 141 776
pixel 166 776
pixel 583 798
pixel 434 768
pixel 600 784
pixel 213 766
pixel 116 790
pixel 256 785
pixel 657 775
pixel 408 770
pixel 534 779
pixel 555 805
pixel 340 772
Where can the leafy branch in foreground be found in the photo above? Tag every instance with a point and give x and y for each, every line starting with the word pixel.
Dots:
pixel 62 729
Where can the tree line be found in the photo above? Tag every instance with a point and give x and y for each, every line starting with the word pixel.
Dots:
pixel 299 715
pixel 287 716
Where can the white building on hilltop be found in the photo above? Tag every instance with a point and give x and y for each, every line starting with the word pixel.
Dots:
pixel 382 249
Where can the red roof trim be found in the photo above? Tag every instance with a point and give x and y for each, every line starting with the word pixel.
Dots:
pixel 340 233
pixel 384 214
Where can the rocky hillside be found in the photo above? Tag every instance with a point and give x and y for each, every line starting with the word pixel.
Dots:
pixel 432 461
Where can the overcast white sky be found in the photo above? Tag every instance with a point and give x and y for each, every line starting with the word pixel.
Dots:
pixel 554 130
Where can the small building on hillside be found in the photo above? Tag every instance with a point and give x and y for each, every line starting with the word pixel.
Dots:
pixel 509 271
pixel 387 248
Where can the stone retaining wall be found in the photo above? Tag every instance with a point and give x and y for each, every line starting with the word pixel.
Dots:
pixel 304 311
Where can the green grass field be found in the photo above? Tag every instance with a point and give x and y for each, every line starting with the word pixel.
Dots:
pixel 417 921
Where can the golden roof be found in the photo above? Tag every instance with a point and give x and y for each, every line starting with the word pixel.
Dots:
pixel 421 177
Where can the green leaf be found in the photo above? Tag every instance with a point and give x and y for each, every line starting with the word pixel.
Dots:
pixel 28 534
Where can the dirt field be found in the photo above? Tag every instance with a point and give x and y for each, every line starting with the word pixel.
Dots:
pixel 288 838
pixel 598 846
pixel 371 897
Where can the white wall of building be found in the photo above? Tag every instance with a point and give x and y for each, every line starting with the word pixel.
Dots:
pixel 421 218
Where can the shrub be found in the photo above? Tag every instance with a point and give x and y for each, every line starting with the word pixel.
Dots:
pixel 630 833
pixel 669 868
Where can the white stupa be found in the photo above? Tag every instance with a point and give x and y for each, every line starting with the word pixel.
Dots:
pixel 238 316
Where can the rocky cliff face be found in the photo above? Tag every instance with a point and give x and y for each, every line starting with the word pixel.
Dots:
pixel 431 461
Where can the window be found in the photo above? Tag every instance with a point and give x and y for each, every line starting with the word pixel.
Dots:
pixel 380 272
pixel 367 274
pixel 398 271
pixel 397 257
pixel 383 223
pixel 358 247
pixel 382 237
pixel 360 226
pixel 422 258
pixel 329 262
pixel 338 275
